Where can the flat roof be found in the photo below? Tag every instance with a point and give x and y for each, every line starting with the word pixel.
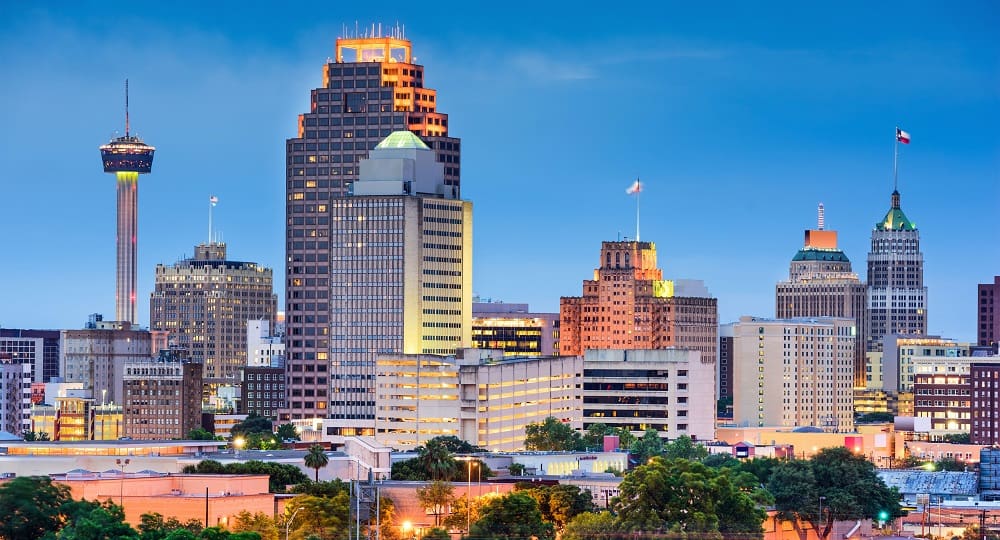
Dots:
pixel 108 444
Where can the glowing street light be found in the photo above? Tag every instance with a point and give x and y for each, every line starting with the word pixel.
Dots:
pixel 238 444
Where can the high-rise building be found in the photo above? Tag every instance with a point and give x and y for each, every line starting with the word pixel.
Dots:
pixel 38 348
pixel 95 357
pixel 897 297
pixel 127 157
pixel 725 370
pixel 628 305
pixel 515 329
pixel 400 283
pixel 162 396
pixel 894 370
pixel 262 390
pixel 988 327
pixel 794 373
pixel 821 284
pixel 372 88
pixel 263 348
pixel 669 390
pixel 15 395
pixel 205 302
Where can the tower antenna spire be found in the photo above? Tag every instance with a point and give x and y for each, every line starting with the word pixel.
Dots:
pixel 821 217
pixel 126 109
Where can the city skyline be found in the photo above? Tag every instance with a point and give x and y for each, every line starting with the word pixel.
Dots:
pixel 680 107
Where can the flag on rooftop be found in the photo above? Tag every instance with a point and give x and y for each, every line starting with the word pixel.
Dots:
pixel 902 136
pixel 636 187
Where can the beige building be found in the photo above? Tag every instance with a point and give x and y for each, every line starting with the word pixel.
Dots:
pixel 162 397
pixel 669 390
pixel 400 283
pixel 478 396
pixel 893 369
pixel 205 302
pixel 821 284
pixel 96 356
pixel 794 372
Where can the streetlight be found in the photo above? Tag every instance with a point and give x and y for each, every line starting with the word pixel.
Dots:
pixel 288 524
pixel 121 487
pixel 238 443
pixel 820 520
pixel 468 498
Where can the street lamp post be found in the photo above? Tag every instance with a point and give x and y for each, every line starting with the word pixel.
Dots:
pixel 238 443
pixel 121 486
pixel 819 521
pixel 288 524
pixel 468 498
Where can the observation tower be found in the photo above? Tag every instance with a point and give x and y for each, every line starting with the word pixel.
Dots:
pixel 127 157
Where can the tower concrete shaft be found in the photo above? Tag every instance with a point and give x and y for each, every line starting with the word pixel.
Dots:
pixel 125 276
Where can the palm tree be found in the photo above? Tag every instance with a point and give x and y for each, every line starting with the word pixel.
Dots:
pixel 316 458
pixel 437 460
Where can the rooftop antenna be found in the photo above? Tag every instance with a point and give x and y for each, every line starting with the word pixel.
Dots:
pixel 821 218
pixel 126 109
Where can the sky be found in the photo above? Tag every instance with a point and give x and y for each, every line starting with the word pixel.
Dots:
pixel 738 117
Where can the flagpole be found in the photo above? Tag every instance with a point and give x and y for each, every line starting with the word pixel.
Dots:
pixel 637 195
pixel 210 219
pixel 895 162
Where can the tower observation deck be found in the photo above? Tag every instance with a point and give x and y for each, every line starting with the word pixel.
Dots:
pixel 127 157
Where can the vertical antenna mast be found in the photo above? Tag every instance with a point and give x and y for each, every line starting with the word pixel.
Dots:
pixel 126 109
pixel 821 218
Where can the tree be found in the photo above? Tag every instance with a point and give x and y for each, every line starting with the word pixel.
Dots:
pixel 259 522
pixel 437 460
pixel 717 461
pixel 152 526
pixel 684 447
pixel 516 469
pixel 591 526
pixel 958 438
pixel 648 446
pixel 32 506
pixel 509 517
pixel 463 511
pixel 436 497
pixel 561 503
pixel 98 522
pixel 409 469
pixel 761 467
pixel 200 434
pixel 848 483
pixel 687 496
pixel 281 474
pixel 875 418
pixel 552 435
pixel 287 432
pixel 950 464
pixel 456 445
pixel 436 534
pixel 316 458
pixel 322 489
pixel 325 517
pixel 254 423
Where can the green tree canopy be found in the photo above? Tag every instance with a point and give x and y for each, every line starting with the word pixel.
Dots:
pixel 684 447
pixel 561 503
pixel 200 434
pixel 437 460
pixel 436 534
pixel 552 435
pixel 717 461
pixel 287 432
pixel 686 495
pixel 435 498
pixel 875 418
pixel 98 522
pixel 258 522
pixel 591 526
pixel 153 526
pixel 32 506
pixel 648 446
pixel 322 489
pixel 325 517
pixel 456 445
pixel 281 474
pixel 254 423
pixel 316 458
pixel 514 516
pixel 848 483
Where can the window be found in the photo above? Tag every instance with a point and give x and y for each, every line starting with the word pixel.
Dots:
pixel 355 102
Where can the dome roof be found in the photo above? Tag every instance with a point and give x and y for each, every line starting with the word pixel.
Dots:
pixel 817 254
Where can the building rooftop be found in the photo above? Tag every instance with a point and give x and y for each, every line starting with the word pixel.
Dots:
pixel 895 219
pixel 402 139
pixel 818 254
pixel 936 483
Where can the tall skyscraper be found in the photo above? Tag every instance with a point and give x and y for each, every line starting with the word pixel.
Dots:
pixel 897 297
pixel 205 302
pixel 794 372
pixel 400 283
pixel 628 305
pixel 988 327
pixel 822 284
pixel 371 89
pixel 127 157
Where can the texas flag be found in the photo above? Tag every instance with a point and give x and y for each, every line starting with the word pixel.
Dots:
pixel 634 188
pixel 213 200
pixel 902 136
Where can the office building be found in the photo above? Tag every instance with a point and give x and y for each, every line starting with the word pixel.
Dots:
pixel 127 157
pixel 162 396
pixel 897 297
pixel 400 283
pixel 894 371
pixel 725 371
pixel 669 390
pixel 628 305
pixel 988 327
pixel 942 391
pixel 36 348
pixel 95 357
pixel 263 348
pixel 204 302
pixel 794 373
pixel 371 88
pixel 262 391
pixel 515 329
pixel 984 379
pixel 15 395
pixel 821 284
pixel 480 396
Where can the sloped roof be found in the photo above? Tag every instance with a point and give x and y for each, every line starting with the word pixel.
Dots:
pixel 402 139
pixel 817 254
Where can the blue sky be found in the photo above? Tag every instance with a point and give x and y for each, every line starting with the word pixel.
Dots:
pixel 739 118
